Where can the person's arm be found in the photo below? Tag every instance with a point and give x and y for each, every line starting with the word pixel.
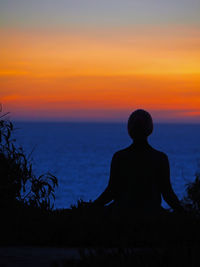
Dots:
pixel 166 188
pixel 108 194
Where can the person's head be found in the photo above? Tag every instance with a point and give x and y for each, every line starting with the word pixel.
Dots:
pixel 140 124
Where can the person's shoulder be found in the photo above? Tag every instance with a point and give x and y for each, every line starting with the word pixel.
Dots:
pixel 159 154
pixel 121 153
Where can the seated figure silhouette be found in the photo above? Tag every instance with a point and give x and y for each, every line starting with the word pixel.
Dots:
pixel 139 174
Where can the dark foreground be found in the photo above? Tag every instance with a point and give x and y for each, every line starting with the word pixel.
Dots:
pixel 79 257
pixel 49 236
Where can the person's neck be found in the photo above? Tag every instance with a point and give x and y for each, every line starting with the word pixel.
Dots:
pixel 140 141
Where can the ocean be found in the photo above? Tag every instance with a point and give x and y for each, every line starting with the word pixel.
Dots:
pixel 79 154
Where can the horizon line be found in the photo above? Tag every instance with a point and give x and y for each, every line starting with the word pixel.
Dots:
pixel 98 121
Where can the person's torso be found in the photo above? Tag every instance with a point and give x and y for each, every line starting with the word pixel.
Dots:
pixel 138 178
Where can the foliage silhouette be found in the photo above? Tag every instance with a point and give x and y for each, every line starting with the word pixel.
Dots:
pixel 18 183
pixel 192 200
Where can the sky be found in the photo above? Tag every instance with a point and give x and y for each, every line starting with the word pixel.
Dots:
pixel 91 60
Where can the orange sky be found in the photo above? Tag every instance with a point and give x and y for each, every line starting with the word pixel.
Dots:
pixel 101 74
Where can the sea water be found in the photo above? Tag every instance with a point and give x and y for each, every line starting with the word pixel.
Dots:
pixel 79 154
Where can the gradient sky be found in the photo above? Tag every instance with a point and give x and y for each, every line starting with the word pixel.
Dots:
pixel 99 60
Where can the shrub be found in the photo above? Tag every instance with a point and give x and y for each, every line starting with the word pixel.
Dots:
pixel 192 200
pixel 17 180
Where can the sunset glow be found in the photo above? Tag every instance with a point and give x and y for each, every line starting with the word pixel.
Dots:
pixel 100 72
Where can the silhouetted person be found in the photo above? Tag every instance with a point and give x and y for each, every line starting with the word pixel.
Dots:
pixel 139 174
